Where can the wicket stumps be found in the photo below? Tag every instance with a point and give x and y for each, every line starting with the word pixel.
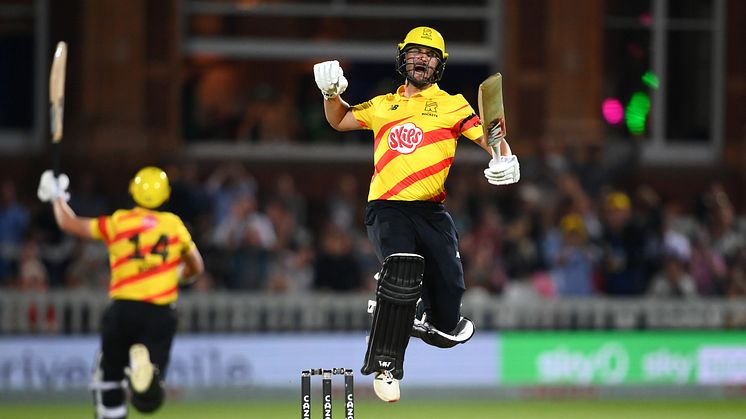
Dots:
pixel 326 392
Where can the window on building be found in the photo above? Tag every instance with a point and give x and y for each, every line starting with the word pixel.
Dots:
pixel 663 71
pixel 20 84
pixel 249 66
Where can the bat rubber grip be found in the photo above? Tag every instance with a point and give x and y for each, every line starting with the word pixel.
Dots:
pixel 56 158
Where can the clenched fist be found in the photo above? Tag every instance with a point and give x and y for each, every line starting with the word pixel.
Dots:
pixel 52 187
pixel 330 78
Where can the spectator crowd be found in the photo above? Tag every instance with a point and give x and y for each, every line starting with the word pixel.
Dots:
pixel 564 230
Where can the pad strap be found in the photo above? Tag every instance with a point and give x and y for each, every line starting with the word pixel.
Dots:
pixel 432 336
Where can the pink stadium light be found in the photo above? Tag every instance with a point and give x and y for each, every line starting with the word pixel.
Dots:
pixel 612 110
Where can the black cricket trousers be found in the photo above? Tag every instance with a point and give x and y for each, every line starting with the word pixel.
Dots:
pixel 424 228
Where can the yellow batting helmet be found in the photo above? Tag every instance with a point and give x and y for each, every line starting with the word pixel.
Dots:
pixel 427 37
pixel 149 188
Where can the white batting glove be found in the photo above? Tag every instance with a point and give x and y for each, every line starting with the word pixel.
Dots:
pixel 51 187
pixel 504 170
pixel 330 79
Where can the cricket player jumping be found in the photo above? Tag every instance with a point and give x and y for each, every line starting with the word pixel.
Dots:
pixel 415 130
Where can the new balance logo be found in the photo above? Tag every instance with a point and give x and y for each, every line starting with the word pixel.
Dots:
pixel 394 107
pixel 384 364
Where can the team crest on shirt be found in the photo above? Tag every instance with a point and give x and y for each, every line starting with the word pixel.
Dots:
pixel 431 108
pixel 405 138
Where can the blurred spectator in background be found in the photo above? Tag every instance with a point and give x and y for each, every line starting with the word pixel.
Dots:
pixel 245 238
pixel 90 267
pixel 286 191
pixel 189 199
pixel 541 166
pixel 344 203
pixel 291 271
pixel 483 273
pixel 57 252
pixel 288 232
pixel 571 198
pixel 481 253
pixel 587 163
pixel 571 257
pixel 32 275
pixel 708 267
pixel 457 201
pixel 622 263
pixel 336 267
pixel 33 278
pixel 736 287
pixel 597 165
pixel 227 181
pixel 290 267
pixel 655 223
pixel 14 223
pixel 674 279
pixel 521 242
pixel 719 220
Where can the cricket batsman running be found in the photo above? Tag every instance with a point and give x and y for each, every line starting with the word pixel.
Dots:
pixel 415 130
pixel 150 254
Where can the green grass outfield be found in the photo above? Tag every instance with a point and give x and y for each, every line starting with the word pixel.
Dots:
pixel 415 409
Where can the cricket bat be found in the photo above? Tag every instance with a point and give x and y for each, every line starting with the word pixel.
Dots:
pixel 57 100
pixel 492 111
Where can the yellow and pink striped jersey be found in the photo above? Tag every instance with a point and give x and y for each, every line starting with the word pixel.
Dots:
pixel 415 141
pixel 145 250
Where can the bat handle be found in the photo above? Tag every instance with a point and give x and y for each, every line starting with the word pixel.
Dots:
pixel 56 158
pixel 496 153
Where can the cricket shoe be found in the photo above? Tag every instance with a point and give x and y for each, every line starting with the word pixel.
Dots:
pixel 386 386
pixel 141 370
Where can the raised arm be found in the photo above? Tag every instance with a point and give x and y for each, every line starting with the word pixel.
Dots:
pixel 54 189
pixel 69 222
pixel 331 81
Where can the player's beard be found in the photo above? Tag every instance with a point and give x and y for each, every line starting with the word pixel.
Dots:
pixel 420 74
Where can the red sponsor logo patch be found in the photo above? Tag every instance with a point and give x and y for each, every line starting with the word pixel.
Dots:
pixel 405 138
pixel 149 221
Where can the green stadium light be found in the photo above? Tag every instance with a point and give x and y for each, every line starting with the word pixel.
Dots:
pixel 636 113
pixel 650 80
